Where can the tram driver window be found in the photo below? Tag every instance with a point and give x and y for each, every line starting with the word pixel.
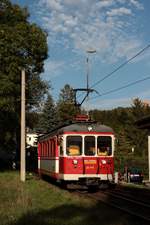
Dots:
pixel 74 145
pixel 104 145
pixel 89 145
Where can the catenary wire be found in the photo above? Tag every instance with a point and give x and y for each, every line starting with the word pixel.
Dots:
pixel 118 68
pixel 113 90
pixel 122 87
pixel 122 65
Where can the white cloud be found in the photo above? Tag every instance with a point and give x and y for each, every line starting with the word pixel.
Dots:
pixel 53 68
pixel 119 12
pixel 104 4
pixel 136 4
pixel 52 4
pixel 125 47
pixel 94 24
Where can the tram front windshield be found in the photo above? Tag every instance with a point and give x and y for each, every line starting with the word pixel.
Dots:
pixel 104 145
pixel 89 143
pixel 74 145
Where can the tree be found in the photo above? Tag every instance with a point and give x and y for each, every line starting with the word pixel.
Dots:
pixel 138 109
pixel 47 119
pixel 66 109
pixel 22 45
pixel 138 137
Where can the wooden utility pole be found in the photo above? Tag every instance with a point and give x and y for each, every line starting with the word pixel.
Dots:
pixel 149 158
pixel 23 147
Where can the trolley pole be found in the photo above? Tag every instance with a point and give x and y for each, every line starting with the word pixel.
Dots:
pixel 23 153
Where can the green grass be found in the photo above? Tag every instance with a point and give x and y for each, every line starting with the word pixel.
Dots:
pixel 38 202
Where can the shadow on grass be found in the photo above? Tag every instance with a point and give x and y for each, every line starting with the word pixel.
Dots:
pixel 74 215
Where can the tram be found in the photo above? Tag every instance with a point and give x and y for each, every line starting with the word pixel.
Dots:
pixel 81 152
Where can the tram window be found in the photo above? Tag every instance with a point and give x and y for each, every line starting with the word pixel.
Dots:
pixel 104 145
pixel 61 147
pixel 60 144
pixel 49 148
pixel 52 146
pixel 53 150
pixel 89 145
pixel 74 145
pixel 44 149
pixel 39 149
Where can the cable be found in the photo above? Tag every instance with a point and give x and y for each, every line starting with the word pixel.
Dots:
pixel 120 88
pixel 122 65
pixel 118 68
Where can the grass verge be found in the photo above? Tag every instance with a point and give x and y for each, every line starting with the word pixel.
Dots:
pixel 38 202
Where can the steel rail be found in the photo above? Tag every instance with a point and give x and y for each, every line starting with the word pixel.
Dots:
pixel 104 197
pixel 128 197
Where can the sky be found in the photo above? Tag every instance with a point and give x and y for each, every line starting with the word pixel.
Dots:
pixel 115 30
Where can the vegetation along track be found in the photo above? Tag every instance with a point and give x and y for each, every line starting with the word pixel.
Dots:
pixel 126 201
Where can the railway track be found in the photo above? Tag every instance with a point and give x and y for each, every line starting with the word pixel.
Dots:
pixel 123 201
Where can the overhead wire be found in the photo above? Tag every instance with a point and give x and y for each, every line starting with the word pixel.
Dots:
pixel 116 89
pixel 115 70
pixel 122 65
pixel 119 67
pixel 122 87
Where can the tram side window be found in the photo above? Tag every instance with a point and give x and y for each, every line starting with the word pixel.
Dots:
pixel 104 145
pixel 53 148
pixel 49 148
pixel 60 144
pixel 89 145
pixel 42 146
pixel 44 149
pixel 74 145
pixel 46 153
pixel 39 149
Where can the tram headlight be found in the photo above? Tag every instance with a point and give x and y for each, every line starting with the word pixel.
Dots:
pixel 103 161
pixel 75 162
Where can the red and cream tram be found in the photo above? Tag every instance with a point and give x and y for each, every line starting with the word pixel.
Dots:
pixel 82 152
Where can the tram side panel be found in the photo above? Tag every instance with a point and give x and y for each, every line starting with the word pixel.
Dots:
pixel 48 161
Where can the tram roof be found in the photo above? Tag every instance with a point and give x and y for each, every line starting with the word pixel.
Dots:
pixel 79 127
pixel 85 128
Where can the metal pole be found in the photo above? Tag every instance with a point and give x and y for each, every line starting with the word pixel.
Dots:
pixel 90 51
pixel 88 72
pixel 23 153
pixel 87 83
pixel 87 77
pixel 149 158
